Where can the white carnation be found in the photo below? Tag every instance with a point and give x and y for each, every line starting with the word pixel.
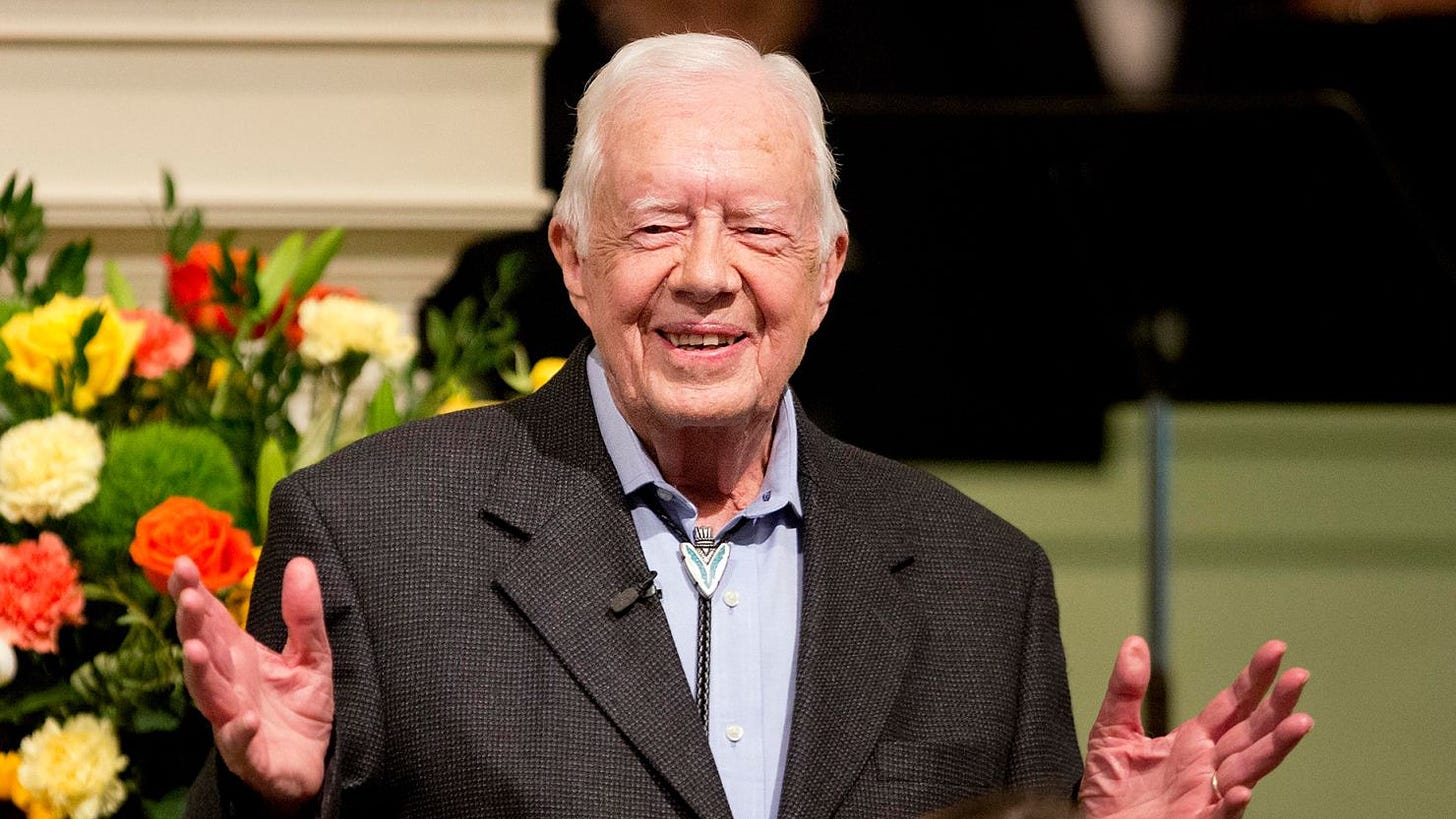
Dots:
pixel 336 325
pixel 49 468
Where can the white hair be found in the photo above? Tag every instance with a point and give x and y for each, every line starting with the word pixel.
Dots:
pixel 665 65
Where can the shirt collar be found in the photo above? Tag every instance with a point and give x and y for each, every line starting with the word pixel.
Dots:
pixel 635 469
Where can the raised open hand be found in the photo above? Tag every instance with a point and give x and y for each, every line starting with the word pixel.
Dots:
pixel 1205 768
pixel 271 713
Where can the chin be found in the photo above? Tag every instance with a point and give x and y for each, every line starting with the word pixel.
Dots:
pixel 685 412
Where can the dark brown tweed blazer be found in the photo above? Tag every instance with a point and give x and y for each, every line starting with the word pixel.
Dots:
pixel 467 563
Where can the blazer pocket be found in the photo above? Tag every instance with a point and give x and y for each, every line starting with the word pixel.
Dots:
pixel 964 764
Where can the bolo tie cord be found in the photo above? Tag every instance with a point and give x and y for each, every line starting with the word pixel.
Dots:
pixel 705 603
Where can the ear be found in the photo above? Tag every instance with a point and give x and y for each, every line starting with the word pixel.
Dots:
pixel 829 277
pixel 563 247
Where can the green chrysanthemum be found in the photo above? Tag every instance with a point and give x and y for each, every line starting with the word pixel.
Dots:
pixel 145 466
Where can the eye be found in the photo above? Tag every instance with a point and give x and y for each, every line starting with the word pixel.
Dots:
pixel 655 230
pixel 758 231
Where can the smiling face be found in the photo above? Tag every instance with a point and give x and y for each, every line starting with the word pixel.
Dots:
pixel 703 277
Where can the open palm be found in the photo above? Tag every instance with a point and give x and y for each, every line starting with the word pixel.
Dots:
pixel 1239 736
pixel 271 713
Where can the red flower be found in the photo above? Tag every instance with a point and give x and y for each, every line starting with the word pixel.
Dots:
pixel 186 526
pixel 165 346
pixel 40 591
pixel 193 295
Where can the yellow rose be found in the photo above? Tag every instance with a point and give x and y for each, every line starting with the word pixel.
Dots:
pixel 45 338
pixel 460 401
pixel 542 371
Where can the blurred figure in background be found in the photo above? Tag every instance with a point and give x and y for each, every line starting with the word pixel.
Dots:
pixel 858 54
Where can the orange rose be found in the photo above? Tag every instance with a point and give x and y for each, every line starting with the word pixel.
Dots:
pixel 186 526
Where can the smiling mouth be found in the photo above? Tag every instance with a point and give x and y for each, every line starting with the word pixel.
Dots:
pixel 700 341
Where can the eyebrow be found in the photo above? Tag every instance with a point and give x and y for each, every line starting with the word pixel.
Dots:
pixel 662 204
pixel 653 203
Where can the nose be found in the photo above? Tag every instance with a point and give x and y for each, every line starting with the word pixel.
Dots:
pixel 706 272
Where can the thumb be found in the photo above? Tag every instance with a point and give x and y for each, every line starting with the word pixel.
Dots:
pixel 1121 710
pixel 303 612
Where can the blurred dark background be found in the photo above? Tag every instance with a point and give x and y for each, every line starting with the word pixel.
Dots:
pixel 1285 193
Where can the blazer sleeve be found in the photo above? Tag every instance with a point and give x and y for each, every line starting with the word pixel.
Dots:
pixel 1047 755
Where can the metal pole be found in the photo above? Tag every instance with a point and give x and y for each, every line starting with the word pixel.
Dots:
pixel 1160 447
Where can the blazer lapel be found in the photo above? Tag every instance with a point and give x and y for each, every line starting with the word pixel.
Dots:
pixel 581 550
pixel 853 642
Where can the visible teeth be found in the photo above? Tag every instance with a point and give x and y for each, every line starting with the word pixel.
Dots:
pixel 698 340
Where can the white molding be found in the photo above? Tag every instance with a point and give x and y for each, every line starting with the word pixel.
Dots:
pixel 496 213
pixel 527 23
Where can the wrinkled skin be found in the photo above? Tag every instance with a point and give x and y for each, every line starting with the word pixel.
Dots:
pixel 271 712
pixel 1239 734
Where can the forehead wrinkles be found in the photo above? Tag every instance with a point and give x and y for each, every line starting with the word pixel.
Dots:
pixel 672 154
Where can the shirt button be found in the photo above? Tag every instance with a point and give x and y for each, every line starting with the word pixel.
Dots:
pixel 664 494
pixel 731 598
pixel 734 732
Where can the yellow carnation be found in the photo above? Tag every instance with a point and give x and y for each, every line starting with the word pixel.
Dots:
pixel 49 468
pixel 75 768
pixel 339 324
pixel 44 339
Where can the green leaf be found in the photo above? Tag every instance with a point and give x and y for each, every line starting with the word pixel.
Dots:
pixel 152 720
pixel 382 413
pixel 54 698
pixel 67 271
pixel 518 377
pixel 9 194
pixel 439 337
pixel 317 257
pixel 225 276
pixel 90 326
pixel 170 806
pixel 169 191
pixel 118 288
pixel 27 194
pixel 275 278
pixel 272 467
pixel 508 274
pixel 184 233
pixel 250 280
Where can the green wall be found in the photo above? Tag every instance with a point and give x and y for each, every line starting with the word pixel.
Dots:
pixel 1332 528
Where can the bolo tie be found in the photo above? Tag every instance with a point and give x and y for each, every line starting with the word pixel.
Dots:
pixel 705 557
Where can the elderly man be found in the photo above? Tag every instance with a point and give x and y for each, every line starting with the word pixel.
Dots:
pixel 654 588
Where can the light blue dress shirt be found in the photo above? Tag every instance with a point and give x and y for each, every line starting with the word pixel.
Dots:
pixel 755 621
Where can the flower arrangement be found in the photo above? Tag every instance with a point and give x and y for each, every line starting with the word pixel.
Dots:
pixel 130 435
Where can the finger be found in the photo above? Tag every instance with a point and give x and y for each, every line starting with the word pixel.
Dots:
pixel 211 691
pixel 233 739
pixel 1267 716
pixel 1122 705
pixel 1236 702
pixel 303 613
pixel 1255 762
pixel 202 617
pixel 1233 804
pixel 185 574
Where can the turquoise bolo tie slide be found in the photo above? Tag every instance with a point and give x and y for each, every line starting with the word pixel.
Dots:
pixel 705 559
